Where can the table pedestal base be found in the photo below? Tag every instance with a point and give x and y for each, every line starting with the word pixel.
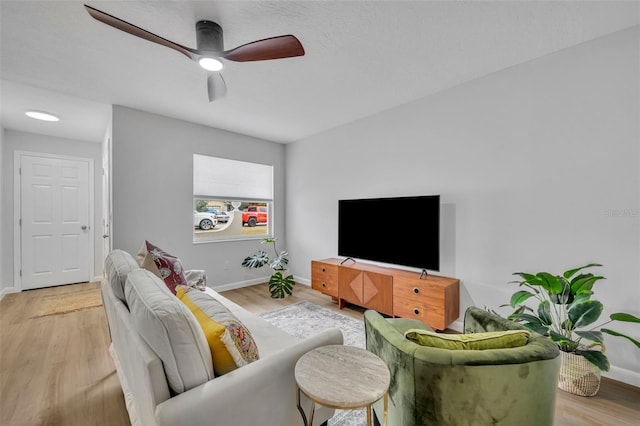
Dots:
pixel 369 408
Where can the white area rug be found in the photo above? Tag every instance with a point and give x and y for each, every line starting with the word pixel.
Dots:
pixel 304 319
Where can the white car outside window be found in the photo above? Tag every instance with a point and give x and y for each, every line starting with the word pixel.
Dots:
pixel 204 220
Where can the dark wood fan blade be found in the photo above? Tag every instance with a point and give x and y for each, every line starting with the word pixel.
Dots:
pixel 216 87
pixel 285 46
pixel 137 31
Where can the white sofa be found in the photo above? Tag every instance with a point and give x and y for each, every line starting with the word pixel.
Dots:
pixel 260 393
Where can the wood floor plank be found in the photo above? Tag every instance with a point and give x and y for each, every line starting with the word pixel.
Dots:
pixel 56 370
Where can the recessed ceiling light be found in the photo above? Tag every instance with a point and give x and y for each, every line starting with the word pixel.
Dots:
pixel 210 64
pixel 40 115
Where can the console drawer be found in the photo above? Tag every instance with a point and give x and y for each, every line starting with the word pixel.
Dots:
pixel 324 278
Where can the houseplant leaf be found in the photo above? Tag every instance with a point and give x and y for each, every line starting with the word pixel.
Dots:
pixel 280 262
pixel 568 274
pixel 550 282
pixel 596 358
pixel 257 260
pixel 585 313
pixel 615 333
pixel 621 316
pixel 592 336
pixel 544 312
pixel 564 343
pixel 565 295
pixel 519 317
pixel 584 283
pixel 528 278
pixel 537 327
pixel 281 286
pixel 532 322
pixel 519 297
pixel 583 297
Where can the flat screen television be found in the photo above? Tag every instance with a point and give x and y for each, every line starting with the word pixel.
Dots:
pixel 400 230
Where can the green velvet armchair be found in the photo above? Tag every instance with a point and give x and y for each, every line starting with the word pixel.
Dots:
pixel 431 386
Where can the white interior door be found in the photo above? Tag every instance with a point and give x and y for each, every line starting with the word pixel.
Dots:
pixel 55 226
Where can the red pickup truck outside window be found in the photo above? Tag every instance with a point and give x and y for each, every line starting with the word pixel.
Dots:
pixel 254 215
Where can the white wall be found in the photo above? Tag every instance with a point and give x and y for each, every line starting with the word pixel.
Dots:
pixel 538 169
pixel 22 141
pixel 152 177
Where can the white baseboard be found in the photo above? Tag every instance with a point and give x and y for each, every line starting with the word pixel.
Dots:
pixel 303 281
pixel 457 325
pixel 249 283
pixel 8 290
pixel 623 375
pixel 239 284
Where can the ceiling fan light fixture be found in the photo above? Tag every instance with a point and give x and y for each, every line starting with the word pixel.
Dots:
pixel 41 115
pixel 210 51
pixel 210 64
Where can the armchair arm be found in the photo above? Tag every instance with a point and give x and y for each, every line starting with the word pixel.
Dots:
pixel 478 320
pixel 385 338
pixel 263 392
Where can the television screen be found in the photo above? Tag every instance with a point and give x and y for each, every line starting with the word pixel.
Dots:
pixel 401 230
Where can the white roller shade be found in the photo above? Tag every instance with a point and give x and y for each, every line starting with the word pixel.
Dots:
pixel 231 179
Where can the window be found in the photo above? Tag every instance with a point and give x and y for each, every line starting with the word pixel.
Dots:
pixel 232 200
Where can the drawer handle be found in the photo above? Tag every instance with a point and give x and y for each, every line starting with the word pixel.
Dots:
pixel 324 269
pixel 416 311
pixel 324 284
pixel 416 290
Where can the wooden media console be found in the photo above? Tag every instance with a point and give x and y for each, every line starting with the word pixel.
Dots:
pixel 433 299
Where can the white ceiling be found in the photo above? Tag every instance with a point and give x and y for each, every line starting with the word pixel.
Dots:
pixel 362 57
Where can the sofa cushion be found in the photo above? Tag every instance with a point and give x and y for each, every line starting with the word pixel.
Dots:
pixel 170 329
pixel 168 266
pixel 230 342
pixel 117 266
pixel 473 341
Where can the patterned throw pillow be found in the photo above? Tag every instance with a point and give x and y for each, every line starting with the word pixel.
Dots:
pixel 168 267
pixel 230 342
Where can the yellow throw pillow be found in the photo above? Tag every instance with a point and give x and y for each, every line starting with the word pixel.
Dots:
pixel 230 342
pixel 473 341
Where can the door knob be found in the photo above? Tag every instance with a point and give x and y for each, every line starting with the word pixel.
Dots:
pixel 105 236
pixel 84 227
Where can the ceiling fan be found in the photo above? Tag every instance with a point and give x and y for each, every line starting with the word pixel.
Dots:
pixel 210 48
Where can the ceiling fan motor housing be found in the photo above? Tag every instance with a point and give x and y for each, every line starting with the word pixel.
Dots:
pixel 209 37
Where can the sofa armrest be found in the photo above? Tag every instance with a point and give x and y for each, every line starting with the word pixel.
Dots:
pixel 263 392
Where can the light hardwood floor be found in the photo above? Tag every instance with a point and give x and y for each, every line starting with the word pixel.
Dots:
pixel 56 370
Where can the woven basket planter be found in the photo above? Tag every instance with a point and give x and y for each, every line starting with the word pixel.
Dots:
pixel 577 375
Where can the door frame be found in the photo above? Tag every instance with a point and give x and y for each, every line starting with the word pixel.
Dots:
pixel 17 205
pixel 107 213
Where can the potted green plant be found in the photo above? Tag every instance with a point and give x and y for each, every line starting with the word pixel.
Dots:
pixel 280 284
pixel 566 314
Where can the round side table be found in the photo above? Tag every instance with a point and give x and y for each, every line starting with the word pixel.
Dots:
pixel 342 377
